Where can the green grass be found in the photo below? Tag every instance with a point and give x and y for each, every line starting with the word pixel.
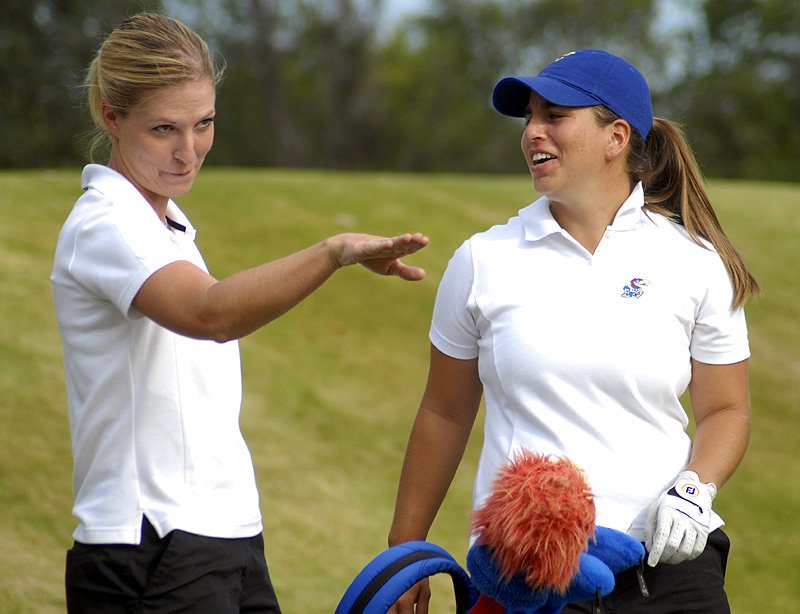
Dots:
pixel 332 387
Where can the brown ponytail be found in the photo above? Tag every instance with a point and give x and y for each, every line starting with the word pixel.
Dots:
pixel 675 188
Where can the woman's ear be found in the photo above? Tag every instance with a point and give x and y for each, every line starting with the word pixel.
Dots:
pixel 619 135
pixel 110 117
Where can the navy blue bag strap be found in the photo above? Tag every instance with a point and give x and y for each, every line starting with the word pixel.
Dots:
pixel 394 571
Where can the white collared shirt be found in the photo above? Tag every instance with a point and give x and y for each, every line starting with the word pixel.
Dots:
pixel 154 415
pixel 587 355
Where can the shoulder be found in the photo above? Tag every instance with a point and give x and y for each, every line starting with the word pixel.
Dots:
pixel 677 239
pixel 484 247
pixel 109 199
pixel 509 233
pixel 694 263
pixel 103 182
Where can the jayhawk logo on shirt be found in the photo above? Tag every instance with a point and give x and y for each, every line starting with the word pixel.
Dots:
pixel 634 288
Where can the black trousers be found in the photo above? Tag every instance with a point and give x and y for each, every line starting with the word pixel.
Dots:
pixel 696 586
pixel 180 573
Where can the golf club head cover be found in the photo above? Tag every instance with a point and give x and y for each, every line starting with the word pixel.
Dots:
pixel 609 553
pixel 390 574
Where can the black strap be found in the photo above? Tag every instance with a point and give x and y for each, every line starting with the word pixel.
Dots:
pixel 378 581
pixel 462 595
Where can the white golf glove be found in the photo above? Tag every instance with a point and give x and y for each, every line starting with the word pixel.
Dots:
pixel 678 521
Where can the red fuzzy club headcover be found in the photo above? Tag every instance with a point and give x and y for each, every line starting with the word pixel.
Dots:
pixel 538 520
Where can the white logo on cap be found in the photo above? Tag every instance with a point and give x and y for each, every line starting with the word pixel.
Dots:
pixel 565 55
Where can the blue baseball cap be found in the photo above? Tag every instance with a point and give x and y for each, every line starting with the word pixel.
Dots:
pixel 583 78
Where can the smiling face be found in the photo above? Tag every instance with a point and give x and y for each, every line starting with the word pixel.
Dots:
pixel 568 152
pixel 160 145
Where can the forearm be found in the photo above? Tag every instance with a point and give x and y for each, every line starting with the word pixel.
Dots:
pixel 719 445
pixel 721 402
pixel 244 302
pixel 435 449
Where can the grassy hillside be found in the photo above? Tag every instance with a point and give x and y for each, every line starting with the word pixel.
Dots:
pixel 331 388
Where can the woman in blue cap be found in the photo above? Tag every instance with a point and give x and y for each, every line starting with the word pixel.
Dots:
pixel 582 321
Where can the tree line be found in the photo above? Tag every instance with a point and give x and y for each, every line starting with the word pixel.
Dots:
pixel 335 84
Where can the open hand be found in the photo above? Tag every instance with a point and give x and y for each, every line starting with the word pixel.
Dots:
pixel 381 255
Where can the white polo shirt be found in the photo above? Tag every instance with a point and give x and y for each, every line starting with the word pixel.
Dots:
pixel 586 355
pixel 154 415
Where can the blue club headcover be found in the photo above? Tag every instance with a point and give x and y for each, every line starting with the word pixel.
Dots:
pixel 616 549
pixel 394 571
pixel 611 552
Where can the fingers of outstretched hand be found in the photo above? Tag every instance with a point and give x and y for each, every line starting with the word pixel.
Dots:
pixel 402 245
pixel 414 240
pixel 403 271
pixel 370 250
pixel 382 256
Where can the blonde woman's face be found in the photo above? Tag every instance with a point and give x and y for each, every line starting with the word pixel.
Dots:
pixel 162 142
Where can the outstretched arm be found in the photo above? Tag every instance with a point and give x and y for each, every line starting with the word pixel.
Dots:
pixel 187 300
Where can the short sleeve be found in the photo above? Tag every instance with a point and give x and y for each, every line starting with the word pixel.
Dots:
pixel 113 256
pixel 720 331
pixel 453 328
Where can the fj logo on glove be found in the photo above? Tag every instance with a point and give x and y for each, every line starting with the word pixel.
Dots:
pixel 687 492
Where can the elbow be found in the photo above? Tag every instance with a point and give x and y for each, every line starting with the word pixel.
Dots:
pixel 205 333
pixel 223 337
pixel 218 330
pixel 210 327
pixel 215 320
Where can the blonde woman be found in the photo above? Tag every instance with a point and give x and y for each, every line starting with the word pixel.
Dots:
pixel 165 494
pixel 582 321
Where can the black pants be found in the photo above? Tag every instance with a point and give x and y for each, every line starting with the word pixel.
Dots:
pixel 180 573
pixel 696 586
